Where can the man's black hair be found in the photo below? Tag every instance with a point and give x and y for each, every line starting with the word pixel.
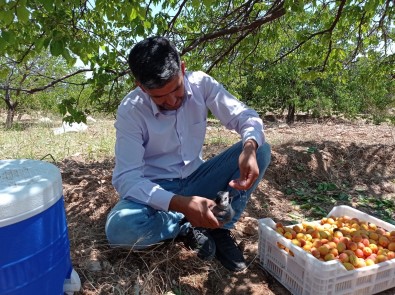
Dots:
pixel 154 62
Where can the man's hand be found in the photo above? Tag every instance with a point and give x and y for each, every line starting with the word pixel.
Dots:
pixel 197 210
pixel 249 170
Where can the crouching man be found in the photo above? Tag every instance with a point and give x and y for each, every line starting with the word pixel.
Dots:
pixel 166 189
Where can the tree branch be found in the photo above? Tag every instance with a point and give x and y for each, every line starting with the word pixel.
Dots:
pixel 170 25
pixel 329 30
pixel 38 89
pixel 230 48
pixel 275 14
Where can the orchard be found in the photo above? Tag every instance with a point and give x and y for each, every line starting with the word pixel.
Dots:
pixel 353 242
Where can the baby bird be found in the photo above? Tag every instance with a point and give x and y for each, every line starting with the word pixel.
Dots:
pixel 223 210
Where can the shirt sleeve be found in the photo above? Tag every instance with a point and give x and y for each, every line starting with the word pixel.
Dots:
pixel 128 178
pixel 232 113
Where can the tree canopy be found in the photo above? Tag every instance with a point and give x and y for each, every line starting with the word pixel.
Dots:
pixel 237 41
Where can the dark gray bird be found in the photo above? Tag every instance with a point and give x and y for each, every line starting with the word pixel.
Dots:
pixel 223 210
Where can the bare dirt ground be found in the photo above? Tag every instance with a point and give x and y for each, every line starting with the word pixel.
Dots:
pixel 358 157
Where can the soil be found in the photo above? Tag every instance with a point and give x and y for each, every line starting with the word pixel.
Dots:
pixel 359 158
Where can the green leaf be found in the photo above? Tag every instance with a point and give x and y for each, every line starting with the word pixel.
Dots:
pixel 7 36
pixel 22 14
pixel 195 3
pixel 48 4
pixel 39 43
pixel 7 16
pixel 56 47
pixel 147 24
pixel 133 14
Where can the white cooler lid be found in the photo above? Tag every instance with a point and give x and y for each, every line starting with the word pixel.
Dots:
pixel 27 188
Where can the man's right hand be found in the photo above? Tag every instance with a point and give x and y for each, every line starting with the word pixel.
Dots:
pixel 197 210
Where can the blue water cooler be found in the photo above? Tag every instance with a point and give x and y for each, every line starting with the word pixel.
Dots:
pixel 34 243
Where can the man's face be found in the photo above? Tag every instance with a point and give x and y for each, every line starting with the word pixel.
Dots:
pixel 170 96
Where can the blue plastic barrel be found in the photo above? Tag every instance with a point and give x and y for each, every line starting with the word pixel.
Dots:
pixel 34 244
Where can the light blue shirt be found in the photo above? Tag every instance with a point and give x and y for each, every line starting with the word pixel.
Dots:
pixel 154 144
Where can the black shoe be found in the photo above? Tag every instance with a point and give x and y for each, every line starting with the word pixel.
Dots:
pixel 228 252
pixel 199 240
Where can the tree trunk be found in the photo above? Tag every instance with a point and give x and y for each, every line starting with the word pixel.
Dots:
pixel 11 109
pixel 291 113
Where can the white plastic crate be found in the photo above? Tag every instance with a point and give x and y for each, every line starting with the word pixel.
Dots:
pixel 303 274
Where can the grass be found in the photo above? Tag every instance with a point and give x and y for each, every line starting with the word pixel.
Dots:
pixel 35 140
pixel 38 141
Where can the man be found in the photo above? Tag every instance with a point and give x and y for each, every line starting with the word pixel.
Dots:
pixel 166 189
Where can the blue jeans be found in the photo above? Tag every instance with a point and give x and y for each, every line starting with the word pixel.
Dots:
pixel 138 226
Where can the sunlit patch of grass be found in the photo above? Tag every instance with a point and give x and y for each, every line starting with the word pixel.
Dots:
pixel 37 141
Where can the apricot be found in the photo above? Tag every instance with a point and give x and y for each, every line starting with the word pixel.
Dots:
pixel 348 266
pixel 355 226
pixel 315 253
pixel 391 246
pixel 372 226
pixel 373 257
pixel 317 243
pixel 359 253
pixel 332 245
pixel 297 228
pixel 369 262
pixel 352 246
pixel 315 234
pixel 390 255
pixel 300 235
pixel 302 242
pixel 288 235
pixel 324 234
pixel 344 240
pixel 381 258
pixel 334 252
pixel 366 242
pixel 308 237
pixel 280 230
pixel 383 241
pixel 367 251
pixel 360 263
pixel 329 257
pixel 364 226
pixel 373 236
pixel 373 247
pixel 341 247
pixel 349 252
pixel 324 241
pixel 335 240
pixel 357 238
pixel 353 259
pixel 331 220
pixel 296 242
pixel 338 234
pixel 343 257
pixel 323 250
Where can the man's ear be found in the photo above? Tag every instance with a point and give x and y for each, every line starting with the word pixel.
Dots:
pixel 183 67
